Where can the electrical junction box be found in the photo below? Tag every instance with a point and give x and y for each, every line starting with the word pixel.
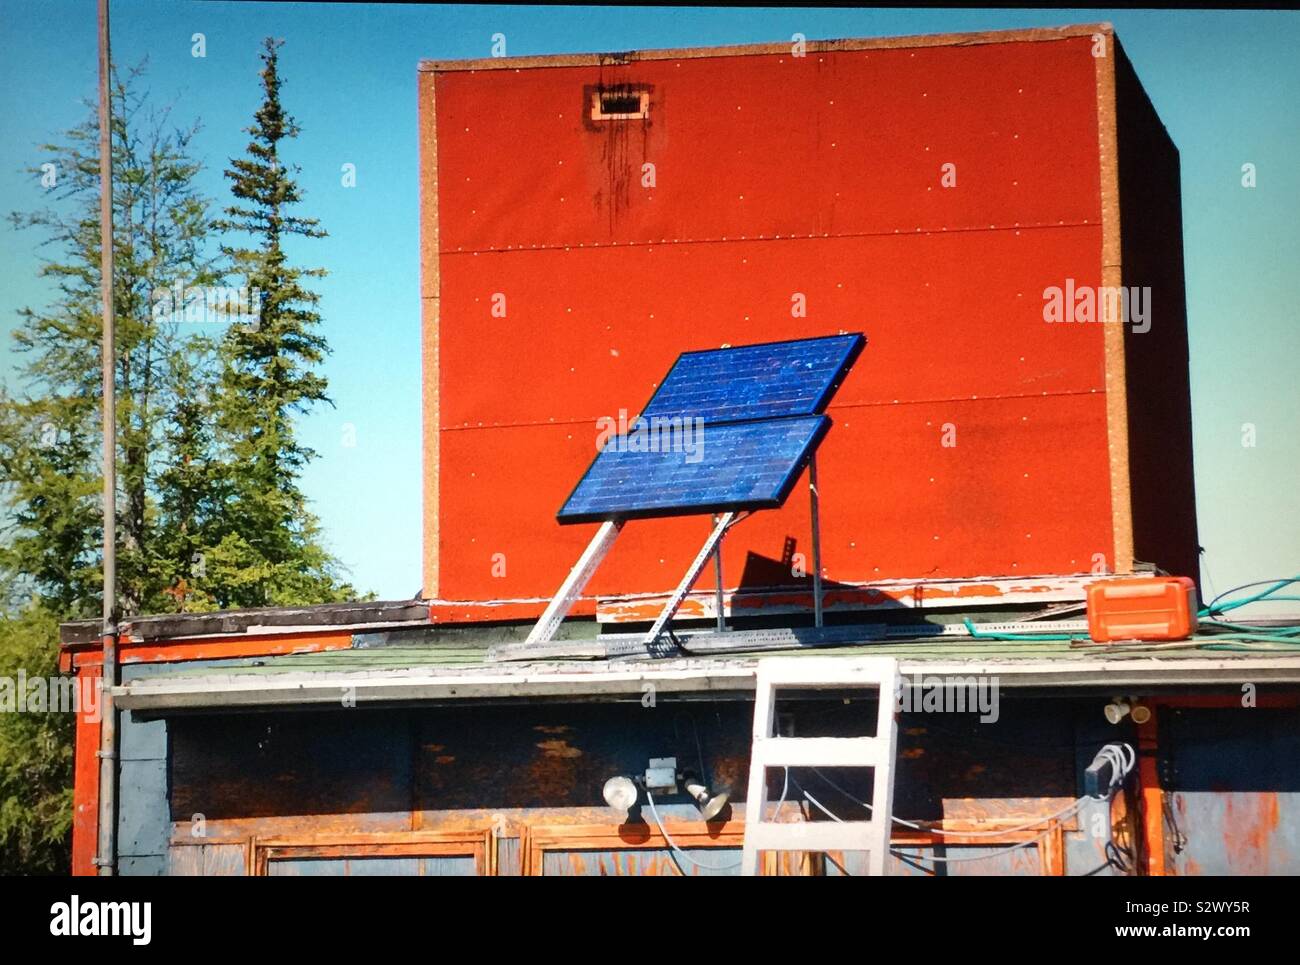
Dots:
pixel 1148 608
pixel 661 775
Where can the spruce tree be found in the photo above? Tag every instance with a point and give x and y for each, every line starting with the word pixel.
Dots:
pixel 270 550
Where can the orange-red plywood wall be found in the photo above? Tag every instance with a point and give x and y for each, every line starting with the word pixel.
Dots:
pixel 567 262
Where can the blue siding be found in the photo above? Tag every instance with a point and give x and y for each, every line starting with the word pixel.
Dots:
pixel 143 821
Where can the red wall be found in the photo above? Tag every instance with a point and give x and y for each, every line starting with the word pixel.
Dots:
pixel 775 175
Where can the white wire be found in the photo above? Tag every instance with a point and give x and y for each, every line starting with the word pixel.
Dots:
pixel 672 845
pixel 934 857
pixel 1122 758
pixel 1065 812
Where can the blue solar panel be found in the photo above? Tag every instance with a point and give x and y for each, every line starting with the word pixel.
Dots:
pixel 720 467
pixel 728 429
pixel 756 381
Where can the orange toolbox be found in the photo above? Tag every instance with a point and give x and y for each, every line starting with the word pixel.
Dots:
pixel 1143 608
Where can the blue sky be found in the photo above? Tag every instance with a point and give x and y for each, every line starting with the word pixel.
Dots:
pixel 1226 84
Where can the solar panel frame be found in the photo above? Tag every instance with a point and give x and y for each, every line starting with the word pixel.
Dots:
pixel 843 355
pixel 818 426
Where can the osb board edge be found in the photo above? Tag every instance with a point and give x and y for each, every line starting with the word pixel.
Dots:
pixel 430 287
pixel 1121 507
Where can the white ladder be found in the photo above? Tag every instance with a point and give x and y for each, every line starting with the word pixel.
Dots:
pixel 772 751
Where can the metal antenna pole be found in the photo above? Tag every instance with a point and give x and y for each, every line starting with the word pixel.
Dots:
pixel 108 679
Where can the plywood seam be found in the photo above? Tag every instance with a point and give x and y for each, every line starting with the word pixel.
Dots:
pixel 852 44
pixel 1005 397
pixel 725 240
pixel 887 589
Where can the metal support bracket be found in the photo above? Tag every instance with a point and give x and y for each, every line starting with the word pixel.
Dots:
pixel 816 540
pixel 583 570
pixel 650 644
pixel 718 602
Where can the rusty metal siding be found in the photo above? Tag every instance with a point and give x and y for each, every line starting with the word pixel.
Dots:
pixel 370 867
pixel 509 859
pixel 1232 778
pixel 708 862
pixel 914 862
pixel 308 868
pixel 218 860
pixel 1085 849
pixel 539 766
pixel 252 765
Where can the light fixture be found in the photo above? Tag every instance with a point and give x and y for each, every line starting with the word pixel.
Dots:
pixel 1122 707
pixel 710 805
pixel 620 793
pixel 1117 710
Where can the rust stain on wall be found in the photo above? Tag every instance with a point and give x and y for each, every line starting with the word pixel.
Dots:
pixel 559 748
pixel 624 148
pixel 1250 823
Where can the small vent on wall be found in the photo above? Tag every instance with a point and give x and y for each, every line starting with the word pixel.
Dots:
pixel 620 104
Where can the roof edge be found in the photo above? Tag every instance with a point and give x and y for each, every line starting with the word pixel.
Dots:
pixel 621 58
pixel 315 617
pixel 227 690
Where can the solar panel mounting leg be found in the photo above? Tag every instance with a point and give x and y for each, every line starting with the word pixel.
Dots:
pixel 649 644
pixel 816 541
pixel 717 580
pixel 575 583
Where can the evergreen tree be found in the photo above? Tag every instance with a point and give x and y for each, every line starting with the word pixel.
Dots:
pixel 50 432
pixel 35 752
pixel 209 511
pixel 193 487
pixel 270 550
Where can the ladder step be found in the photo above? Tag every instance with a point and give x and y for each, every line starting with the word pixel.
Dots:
pixel 828 672
pixel 812 836
pixel 820 752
